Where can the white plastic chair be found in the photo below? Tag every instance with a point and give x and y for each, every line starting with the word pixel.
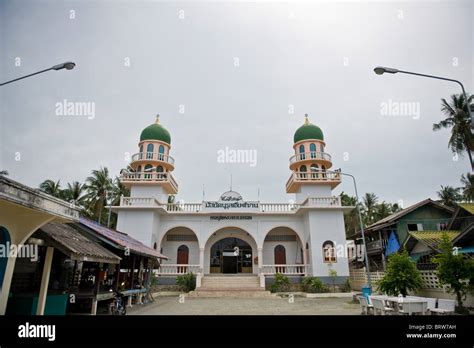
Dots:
pixel 379 306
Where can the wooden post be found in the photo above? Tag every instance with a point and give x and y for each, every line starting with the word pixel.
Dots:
pixel 43 294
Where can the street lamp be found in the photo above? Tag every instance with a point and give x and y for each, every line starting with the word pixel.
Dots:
pixel 380 70
pixel 360 219
pixel 66 65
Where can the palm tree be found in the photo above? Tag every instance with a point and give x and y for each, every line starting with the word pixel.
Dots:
pixel 382 210
pixel 449 195
pixel 74 193
pixel 369 201
pixel 461 140
pixel 468 186
pixel 99 186
pixel 351 220
pixel 4 172
pixel 51 188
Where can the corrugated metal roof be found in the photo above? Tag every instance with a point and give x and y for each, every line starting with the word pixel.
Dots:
pixel 121 239
pixel 78 247
pixel 396 216
pixel 433 238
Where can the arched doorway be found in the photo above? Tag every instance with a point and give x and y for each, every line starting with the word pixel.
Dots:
pixel 231 255
pixel 4 240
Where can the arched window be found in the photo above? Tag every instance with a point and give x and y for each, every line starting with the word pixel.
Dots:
pixel 314 170
pixel 322 147
pixel 303 172
pixel 149 151
pixel 161 151
pixel 323 169
pixel 148 171
pixel 141 152
pixel 139 171
pixel 182 258
pixel 155 246
pixel 159 169
pixel 329 252
pixel 302 155
pixel 312 149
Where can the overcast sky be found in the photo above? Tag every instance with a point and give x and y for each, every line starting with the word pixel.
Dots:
pixel 239 69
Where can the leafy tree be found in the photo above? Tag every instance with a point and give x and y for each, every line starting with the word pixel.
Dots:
pixel 99 187
pixel 462 139
pixel 468 187
pixel 369 202
pixel 449 195
pixel 455 270
pixel 400 276
pixel 351 220
pixel 75 193
pixel 51 188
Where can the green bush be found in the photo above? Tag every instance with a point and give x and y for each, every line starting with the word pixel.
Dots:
pixel 314 285
pixel 187 281
pixel 401 275
pixel 281 283
pixel 346 287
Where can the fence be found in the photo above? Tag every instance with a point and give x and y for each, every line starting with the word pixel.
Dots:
pixel 358 279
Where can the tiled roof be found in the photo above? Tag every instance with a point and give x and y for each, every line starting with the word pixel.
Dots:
pixel 78 247
pixel 433 238
pixel 469 207
pixel 121 239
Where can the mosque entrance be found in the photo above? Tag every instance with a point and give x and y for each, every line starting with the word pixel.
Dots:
pixel 231 255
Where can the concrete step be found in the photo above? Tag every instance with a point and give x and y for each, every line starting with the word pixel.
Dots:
pixel 206 293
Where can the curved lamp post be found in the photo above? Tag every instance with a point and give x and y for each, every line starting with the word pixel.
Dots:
pixel 360 220
pixel 66 65
pixel 380 70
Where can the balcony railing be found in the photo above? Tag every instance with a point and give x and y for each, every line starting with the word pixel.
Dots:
pixel 334 201
pixel 184 207
pixel 149 177
pixel 177 269
pixel 138 202
pixel 309 156
pixel 142 156
pixel 278 207
pixel 320 176
pixel 283 269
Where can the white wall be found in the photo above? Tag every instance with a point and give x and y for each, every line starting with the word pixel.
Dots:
pixel 139 224
pixel 327 225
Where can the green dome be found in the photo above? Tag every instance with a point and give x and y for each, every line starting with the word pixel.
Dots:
pixel 156 131
pixel 308 131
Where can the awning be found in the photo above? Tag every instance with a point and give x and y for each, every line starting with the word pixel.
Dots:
pixel 466 250
pixel 70 242
pixel 118 239
pixel 416 256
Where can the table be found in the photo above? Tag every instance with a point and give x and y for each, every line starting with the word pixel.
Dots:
pixel 410 305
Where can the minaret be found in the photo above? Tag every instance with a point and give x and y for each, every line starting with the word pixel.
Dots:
pixel 149 173
pixel 309 164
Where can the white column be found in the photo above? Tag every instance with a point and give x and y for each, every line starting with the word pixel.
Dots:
pixel 94 306
pixel 7 280
pixel 201 260
pixel 305 259
pixel 45 281
pixel 260 260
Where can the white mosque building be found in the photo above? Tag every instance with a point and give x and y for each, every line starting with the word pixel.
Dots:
pixel 230 235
